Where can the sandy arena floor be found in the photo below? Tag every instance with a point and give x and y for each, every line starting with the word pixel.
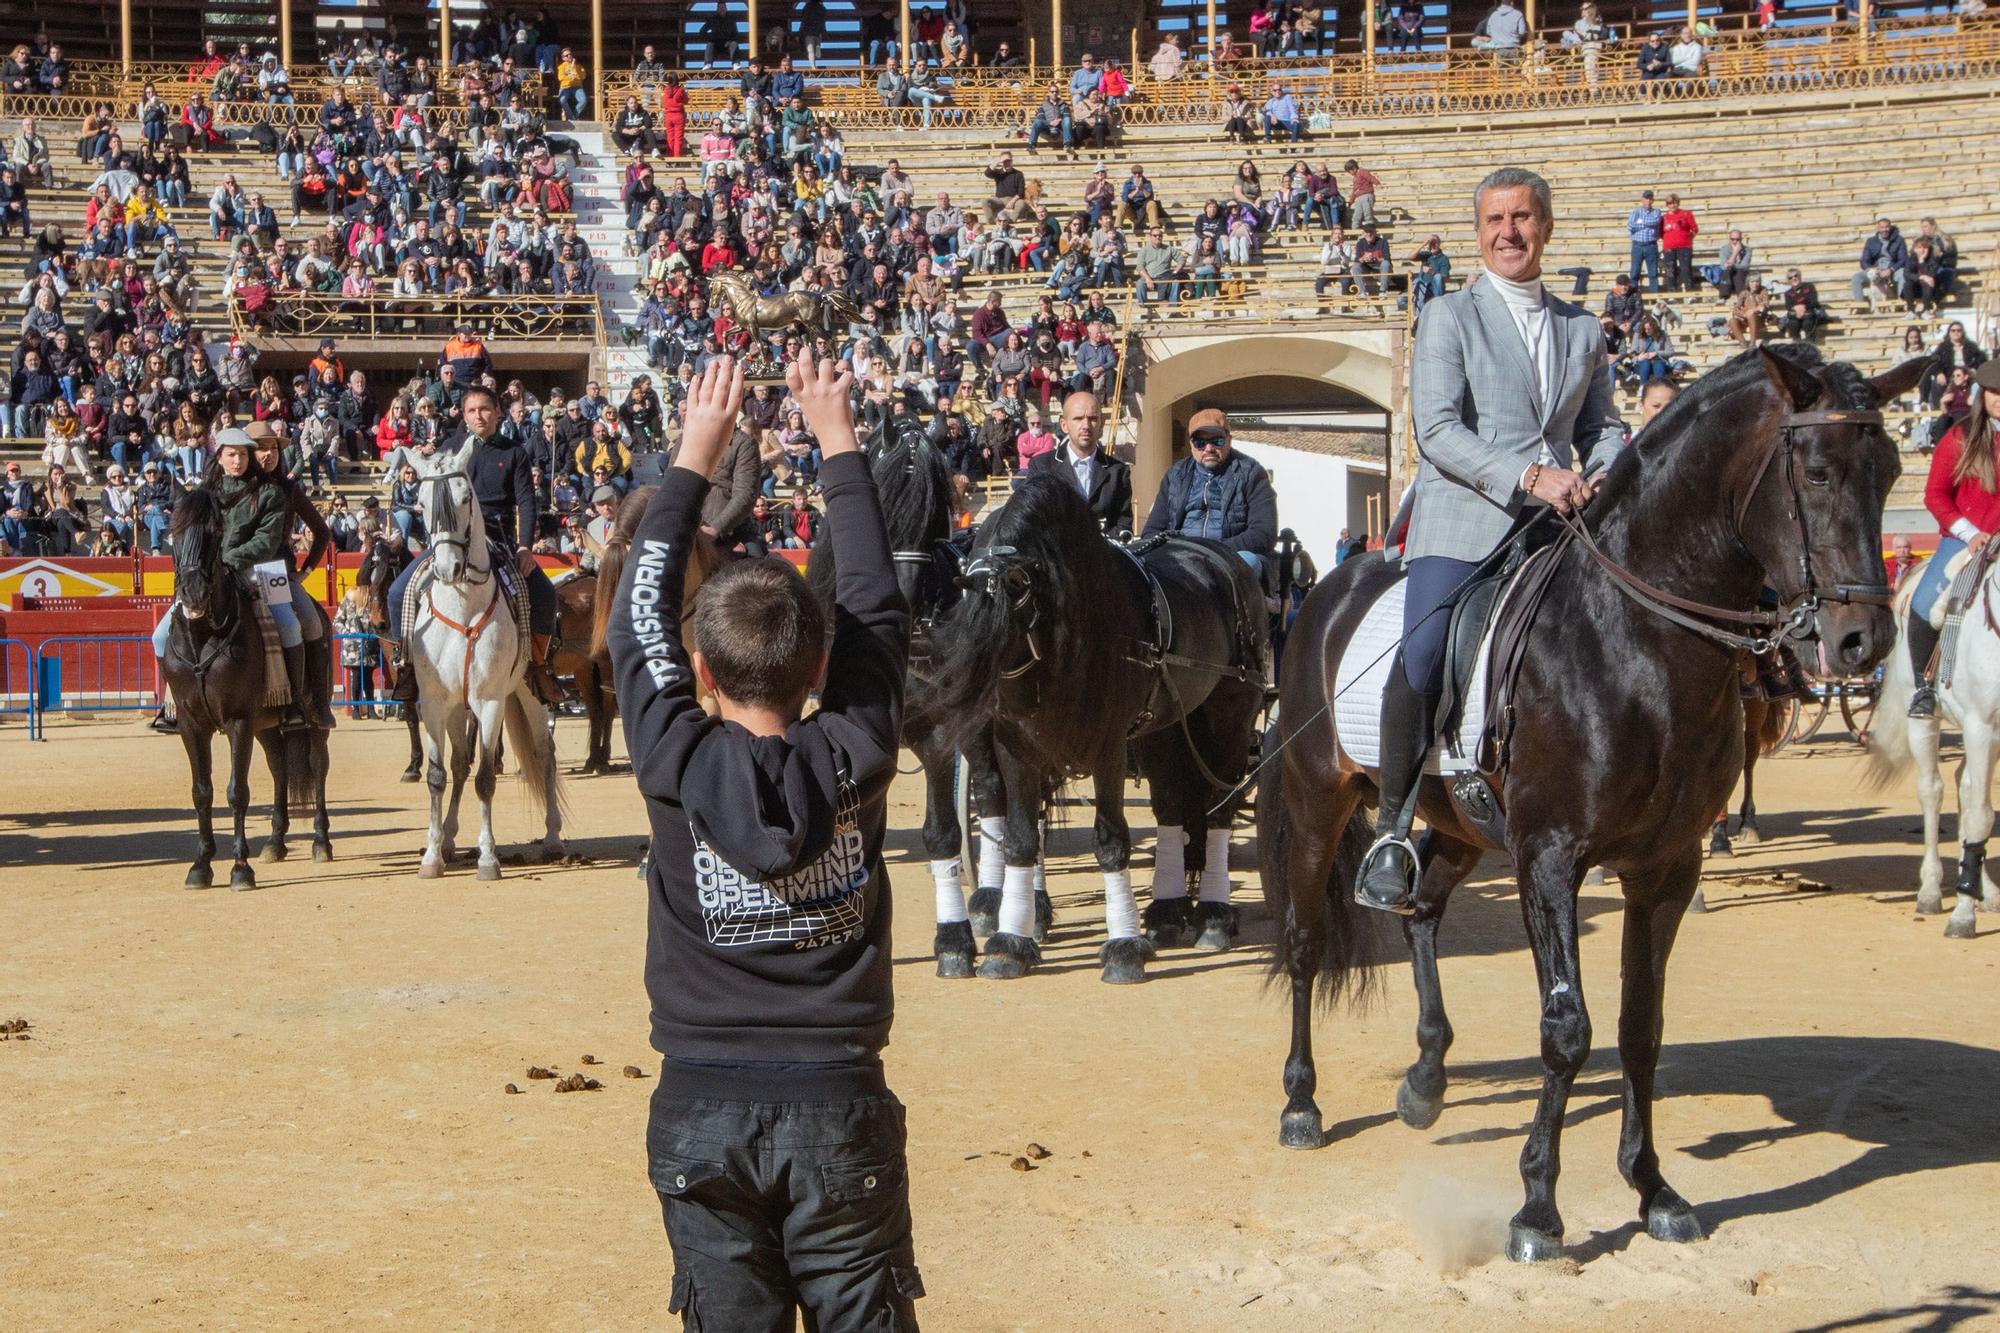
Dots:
pixel 284 1109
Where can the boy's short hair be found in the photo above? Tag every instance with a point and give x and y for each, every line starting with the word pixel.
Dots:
pixel 762 633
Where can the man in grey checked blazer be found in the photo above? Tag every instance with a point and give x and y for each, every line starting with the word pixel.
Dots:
pixel 1512 408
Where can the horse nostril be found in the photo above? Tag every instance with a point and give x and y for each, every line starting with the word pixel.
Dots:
pixel 1856 647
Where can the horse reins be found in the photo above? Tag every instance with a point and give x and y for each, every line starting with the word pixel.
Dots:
pixel 1793 619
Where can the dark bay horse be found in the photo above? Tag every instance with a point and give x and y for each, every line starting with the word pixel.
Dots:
pixel 1061 647
pixel 214 664
pixel 1768 471
pixel 378 571
pixel 576 621
pixel 919 504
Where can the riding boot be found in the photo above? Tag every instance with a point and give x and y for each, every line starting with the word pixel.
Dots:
pixel 1388 879
pixel 547 688
pixel 404 691
pixel 1921 641
pixel 318 703
pixel 295 718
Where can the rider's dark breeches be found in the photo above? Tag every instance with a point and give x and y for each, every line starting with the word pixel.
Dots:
pixel 1432 580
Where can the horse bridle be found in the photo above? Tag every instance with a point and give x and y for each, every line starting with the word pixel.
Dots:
pixel 985 569
pixel 442 533
pixel 1794 617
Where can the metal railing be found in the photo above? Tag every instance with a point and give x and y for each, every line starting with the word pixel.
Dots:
pixel 18 691
pixel 95 674
pixel 1834 58
pixel 537 318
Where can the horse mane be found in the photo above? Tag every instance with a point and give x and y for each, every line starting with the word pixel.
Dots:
pixel 196 510
pixel 611 566
pixel 1082 618
pixel 919 502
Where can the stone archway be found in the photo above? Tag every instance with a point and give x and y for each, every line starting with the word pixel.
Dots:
pixel 1179 368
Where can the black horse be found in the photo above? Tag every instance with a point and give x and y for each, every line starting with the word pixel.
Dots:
pixel 214 665
pixel 1073 648
pixel 919 503
pixel 1772 471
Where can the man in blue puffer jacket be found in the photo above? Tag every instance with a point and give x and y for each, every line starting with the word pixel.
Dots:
pixel 1218 493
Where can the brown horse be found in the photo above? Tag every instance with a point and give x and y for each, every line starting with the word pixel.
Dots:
pixel 378 571
pixel 1764 724
pixel 592 668
pixel 576 624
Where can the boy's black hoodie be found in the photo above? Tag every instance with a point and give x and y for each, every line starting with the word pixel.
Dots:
pixel 768 921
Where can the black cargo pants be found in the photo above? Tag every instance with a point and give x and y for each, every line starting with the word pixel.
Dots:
pixel 777 1206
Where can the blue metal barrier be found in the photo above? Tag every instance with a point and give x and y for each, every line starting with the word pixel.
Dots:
pixel 17 684
pixel 96 674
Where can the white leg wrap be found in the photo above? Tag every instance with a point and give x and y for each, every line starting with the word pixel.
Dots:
pixel 1041 875
pixel 950 893
pixel 1169 862
pixel 1215 870
pixel 1017 901
pixel 1042 858
pixel 992 852
pixel 1121 912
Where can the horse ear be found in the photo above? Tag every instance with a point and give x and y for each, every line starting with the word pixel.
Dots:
pixel 1794 380
pixel 463 462
pixel 1893 384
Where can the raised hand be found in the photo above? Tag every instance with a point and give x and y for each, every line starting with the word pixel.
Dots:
pixel 820 387
pixel 708 418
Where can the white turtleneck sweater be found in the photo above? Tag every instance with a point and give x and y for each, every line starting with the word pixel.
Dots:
pixel 1531 318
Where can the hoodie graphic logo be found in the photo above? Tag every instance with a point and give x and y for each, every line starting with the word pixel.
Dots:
pixel 814 906
pixel 648 627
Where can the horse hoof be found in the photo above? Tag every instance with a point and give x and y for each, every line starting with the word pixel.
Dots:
pixel 1301 1130
pixel 984 911
pixel 489 870
pixel 1415 1109
pixel 954 949
pixel 1960 928
pixel 414 773
pixel 1698 903
pixel 1045 916
pixel 199 877
pixel 322 851
pixel 242 877
pixel 1525 1245
pixel 552 852
pixel 272 853
pixel 1749 835
pixel 1125 960
pixel 1167 922
pixel 1930 904
pixel 1718 845
pixel 430 870
pixel 1215 927
pixel 1669 1218
pixel 1009 957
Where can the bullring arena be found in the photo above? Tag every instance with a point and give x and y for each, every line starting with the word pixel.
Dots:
pixel 360 1095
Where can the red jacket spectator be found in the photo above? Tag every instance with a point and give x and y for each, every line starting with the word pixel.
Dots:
pixel 1678 229
pixel 1950 500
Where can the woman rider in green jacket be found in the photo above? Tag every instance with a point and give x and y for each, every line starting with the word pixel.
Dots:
pixel 256 542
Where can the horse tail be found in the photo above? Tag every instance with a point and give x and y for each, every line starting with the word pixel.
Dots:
pixel 528 735
pixel 1772 731
pixel 610 568
pixel 1350 944
pixel 301 776
pixel 1889 738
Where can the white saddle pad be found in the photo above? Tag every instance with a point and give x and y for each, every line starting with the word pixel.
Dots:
pixel 1364 671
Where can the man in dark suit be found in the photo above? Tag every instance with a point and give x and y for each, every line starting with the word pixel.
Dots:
pixel 1105 481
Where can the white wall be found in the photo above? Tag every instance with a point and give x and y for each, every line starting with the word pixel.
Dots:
pixel 1318 494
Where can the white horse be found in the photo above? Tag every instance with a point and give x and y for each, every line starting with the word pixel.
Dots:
pixel 472 668
pixel 1972 700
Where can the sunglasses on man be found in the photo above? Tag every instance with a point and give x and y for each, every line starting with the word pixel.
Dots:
pixel 1207 439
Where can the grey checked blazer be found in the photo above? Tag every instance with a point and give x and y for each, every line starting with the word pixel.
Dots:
pixel 1480 420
